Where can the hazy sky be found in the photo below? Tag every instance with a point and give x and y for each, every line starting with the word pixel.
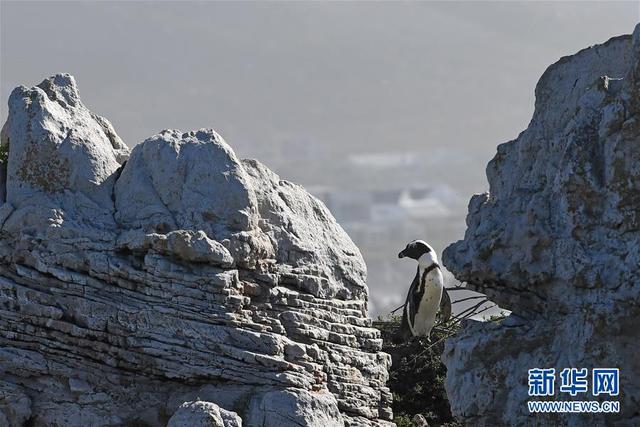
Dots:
pixel 446 80
pixel 351 77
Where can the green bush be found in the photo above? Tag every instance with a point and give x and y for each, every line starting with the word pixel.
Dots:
pixel 416 377
pixel 4 153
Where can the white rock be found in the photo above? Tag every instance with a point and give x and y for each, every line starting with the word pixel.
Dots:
pixel 186 275
pixel 60 154
pixel 295 408
pixel 306 237
pixel 189 181
pixel 203 414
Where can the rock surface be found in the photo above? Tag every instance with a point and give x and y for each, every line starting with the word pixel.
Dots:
pixel 203 414
pixel 133 283
pixel 557 241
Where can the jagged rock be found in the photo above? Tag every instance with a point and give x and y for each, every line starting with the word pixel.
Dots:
pixel 556 240
pixel 61 156
pixel 183 274
pixel 203 414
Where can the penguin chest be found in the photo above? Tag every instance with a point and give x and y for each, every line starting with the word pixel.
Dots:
pixel 425 315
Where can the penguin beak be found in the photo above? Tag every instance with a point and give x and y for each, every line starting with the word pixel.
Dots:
pixel 401 255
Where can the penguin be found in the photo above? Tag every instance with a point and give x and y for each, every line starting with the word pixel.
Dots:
pixel 425 293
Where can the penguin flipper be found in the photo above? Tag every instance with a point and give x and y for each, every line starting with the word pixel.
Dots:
pixel 404 332
pixel 408 312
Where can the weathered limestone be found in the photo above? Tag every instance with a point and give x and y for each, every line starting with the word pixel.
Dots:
pixel 557 241
pixel 134 283
pixel 203 414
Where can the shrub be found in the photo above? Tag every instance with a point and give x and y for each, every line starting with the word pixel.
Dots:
pixel 416 377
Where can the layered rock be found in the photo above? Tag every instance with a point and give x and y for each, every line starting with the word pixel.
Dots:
pixel 175 280
pixel 557 241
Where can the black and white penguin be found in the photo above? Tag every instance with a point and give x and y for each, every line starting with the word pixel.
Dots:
pixel 425 293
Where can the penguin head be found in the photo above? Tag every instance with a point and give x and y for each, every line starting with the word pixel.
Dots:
pixel 415 249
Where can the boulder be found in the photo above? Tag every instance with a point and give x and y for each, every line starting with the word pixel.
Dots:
pixel 203 414
pixel 134 283
pixel 297 407
pixel 556 240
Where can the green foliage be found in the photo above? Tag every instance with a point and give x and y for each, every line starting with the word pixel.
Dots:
pixel 497 317
pixel 403 421
pixel 4 153
pixel 416 377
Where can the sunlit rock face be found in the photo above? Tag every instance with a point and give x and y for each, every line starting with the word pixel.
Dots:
pixel 557 241
pixel 174 281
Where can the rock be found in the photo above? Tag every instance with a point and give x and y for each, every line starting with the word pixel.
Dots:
pixel 555 240
pixel 15 405
pixel 203 414
pixel 182 275
pixel 187 245
pixel 419 421
pixel 60 156
pixel 321 259
pixel 294 407
pixel 189 181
